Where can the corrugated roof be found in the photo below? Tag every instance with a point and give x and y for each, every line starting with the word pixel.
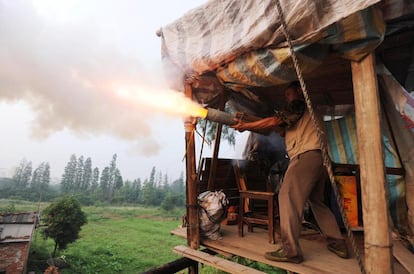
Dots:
pixel 17 227
pixel 22 217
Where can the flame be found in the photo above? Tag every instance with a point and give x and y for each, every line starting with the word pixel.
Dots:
pixel 161 100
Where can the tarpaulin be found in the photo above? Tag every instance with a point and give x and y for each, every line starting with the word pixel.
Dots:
pixel 352 38
pixel 220 30
pixel 343 148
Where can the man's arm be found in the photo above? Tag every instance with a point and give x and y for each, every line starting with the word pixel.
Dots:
pixel 268 123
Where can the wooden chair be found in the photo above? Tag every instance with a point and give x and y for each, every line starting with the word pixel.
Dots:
pixel 257 199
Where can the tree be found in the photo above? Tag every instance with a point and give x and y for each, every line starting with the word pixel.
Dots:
pixel 41 178
pixel 104 183
pixel 79 174
pixel 46 176
pixel 68 177
pixel 64 219
pixel 137 190
pixel 178 185
pixel 23 174
pixel 95 179
pixel 115 178
pixel 111 179
pixel 87 175
pixel 148 193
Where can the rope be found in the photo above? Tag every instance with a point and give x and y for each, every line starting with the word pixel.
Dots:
pixel 219 218
pixel 326 158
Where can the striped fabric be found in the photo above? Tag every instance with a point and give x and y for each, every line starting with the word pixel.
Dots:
pixel 269 67
pixel 352 38
pixel 356 35
pixel 343 148
pixel 342 140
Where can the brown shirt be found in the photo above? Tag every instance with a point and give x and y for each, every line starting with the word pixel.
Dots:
pixel 302 136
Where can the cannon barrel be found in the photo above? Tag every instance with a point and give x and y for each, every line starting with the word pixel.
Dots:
pixel 226 118
pixel 219 116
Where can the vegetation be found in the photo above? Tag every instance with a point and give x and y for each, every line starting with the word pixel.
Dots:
pixel 63 219
pixel 83 181
pixel 116 240
pixel 128 222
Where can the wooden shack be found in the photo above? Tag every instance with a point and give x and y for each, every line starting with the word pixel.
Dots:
pixel 356 59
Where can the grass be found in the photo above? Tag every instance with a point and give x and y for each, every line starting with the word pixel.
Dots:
pixel 121 240
pixel 20 205
pixel 118 240
pixel 123 246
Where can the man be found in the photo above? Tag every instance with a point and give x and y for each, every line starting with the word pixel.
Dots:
pixel 304 180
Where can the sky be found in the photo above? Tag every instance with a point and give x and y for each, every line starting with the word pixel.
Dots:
pixel 73 75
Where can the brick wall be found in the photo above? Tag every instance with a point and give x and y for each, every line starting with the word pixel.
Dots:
pixel 13 257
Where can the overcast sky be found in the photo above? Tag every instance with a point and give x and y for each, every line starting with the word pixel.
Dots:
pixel 62 67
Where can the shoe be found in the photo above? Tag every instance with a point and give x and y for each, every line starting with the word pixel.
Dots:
pixel 339 248
pixel 279 256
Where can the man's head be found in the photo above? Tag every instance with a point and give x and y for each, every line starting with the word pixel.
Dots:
pixel 293 92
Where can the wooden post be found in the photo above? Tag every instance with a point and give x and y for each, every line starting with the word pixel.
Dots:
pixel 377 236
pixel 213 166
pixel 193 233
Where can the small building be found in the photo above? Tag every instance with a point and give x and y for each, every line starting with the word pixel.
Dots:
pixel 16 231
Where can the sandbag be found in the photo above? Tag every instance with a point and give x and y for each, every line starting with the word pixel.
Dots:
pixel 212 210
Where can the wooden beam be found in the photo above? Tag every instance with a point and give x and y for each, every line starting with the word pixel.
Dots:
pixel 377 236
pixel 193 232
pixel 173 267
pixel 214 261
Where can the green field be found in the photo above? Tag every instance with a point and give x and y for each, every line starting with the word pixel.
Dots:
pixel 115 240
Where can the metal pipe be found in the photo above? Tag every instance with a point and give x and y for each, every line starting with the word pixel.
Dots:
pixel 219 116
pixel 226 118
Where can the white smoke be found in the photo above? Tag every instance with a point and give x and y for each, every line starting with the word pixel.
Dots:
pixel 67 69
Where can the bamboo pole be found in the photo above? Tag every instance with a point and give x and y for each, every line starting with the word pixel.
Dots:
pixel 377 236
pixel 193 233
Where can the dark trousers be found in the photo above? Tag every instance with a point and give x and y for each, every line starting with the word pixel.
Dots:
pixel 304 180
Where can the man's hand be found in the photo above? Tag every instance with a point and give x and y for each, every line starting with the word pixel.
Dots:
pixel 240 126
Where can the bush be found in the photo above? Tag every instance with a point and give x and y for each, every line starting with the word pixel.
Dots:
pixel 64 219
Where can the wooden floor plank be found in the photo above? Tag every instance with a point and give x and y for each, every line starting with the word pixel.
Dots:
pixel 318 259
pixel 405 257
pixel 214 261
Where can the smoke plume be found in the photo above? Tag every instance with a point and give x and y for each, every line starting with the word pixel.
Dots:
pixel 70 73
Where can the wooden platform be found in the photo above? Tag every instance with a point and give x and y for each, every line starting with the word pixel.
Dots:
pixel 317 258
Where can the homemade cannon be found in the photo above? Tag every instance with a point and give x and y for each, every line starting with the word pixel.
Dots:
pixel 226 118
pixel 229 119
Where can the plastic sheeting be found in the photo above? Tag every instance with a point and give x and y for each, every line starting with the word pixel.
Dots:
pixel 220 30
pixel 343 148
pixel 391 91
pixel 352 38
pixel 403 101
